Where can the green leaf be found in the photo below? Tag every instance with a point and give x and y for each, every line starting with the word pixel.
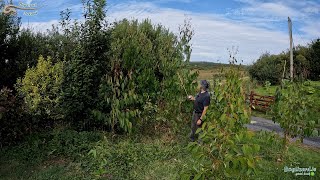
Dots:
pixel 246 150
pixel 256 148
pixel 197 176
pixel 198 130
pixel 250 164
pixel 93 152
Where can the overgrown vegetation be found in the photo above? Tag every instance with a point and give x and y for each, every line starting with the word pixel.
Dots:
pixel 224 149
pixel 63 154
pixel 105 79
pixel 293 111
pixel 94 100
pixel 41 88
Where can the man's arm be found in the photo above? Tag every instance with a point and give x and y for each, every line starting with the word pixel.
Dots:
pixel 204 112
pixel 199 122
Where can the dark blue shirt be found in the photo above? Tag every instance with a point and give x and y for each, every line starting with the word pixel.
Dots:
pixel 201 100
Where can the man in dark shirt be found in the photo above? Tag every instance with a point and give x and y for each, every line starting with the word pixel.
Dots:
pixel 201 103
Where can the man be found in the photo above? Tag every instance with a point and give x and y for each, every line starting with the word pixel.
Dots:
pixel 201 103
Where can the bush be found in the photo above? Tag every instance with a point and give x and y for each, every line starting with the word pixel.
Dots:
pixel 41 88
pixel 63 143
pixel 315 60
pixel 15 123
pixel 293 111
pixel 146 66
pixel 268 68
pixel 225 148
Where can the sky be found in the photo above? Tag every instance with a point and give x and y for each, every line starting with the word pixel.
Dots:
pixel 251 26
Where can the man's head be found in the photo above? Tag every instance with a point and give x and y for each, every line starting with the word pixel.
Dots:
pixel 204 85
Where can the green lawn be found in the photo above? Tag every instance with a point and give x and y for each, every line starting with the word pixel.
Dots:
pixel 313 85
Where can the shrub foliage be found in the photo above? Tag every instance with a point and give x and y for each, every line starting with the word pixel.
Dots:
pixel 41 88
pixel 224 149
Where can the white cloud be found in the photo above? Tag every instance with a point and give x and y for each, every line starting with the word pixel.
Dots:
pixel 312 29
pixel 273 9
pixel 40 26
pixel 213 33
pixel 312 9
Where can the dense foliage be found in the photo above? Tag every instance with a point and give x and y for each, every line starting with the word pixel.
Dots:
pixel 222 151
pixel 293 111
pixel 144 67
pixel 9 29
pixel 41 88
pixel 123 76
pixel 12 124
pixel 314 62
pixel 273 68
pixel 268 68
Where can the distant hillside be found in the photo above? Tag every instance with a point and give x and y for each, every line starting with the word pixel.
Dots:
pixel 208 65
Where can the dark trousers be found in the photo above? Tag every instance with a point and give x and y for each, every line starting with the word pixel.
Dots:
pixel 194 126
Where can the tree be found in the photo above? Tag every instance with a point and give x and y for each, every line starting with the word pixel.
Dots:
pixel 268 68
pixel 87 64
pixel 9 28
pixel 144 66
pixel 315 60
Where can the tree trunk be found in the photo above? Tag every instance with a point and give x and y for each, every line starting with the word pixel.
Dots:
pixel 286 142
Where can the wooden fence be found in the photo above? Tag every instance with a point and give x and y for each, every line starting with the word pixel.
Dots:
pixel 259 102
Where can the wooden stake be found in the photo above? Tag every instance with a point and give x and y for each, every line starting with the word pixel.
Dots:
pixel 291 52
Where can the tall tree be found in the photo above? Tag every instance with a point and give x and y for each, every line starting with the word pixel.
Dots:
pixel 85 68
pixel 9 28
pixel 315 60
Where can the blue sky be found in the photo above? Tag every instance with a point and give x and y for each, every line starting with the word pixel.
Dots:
pixel 254 26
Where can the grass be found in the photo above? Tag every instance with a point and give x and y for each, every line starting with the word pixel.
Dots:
pixel 314 87
pixel 273 162
pixel 59 155
pixel 150 157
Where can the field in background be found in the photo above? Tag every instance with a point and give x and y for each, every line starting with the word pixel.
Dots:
pixel 209 70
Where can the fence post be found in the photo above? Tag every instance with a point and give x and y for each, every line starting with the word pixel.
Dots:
pixel 251 99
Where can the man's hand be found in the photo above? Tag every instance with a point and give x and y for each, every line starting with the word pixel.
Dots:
pixel 199 122
pixel 191 98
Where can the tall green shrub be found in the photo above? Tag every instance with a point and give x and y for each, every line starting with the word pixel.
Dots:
pixel 87 64
pixel 41 88
pixel 225 149
pixel 145 65
pixel 315 60
pixel 9 29
pixel 268 68
pixel 293 110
